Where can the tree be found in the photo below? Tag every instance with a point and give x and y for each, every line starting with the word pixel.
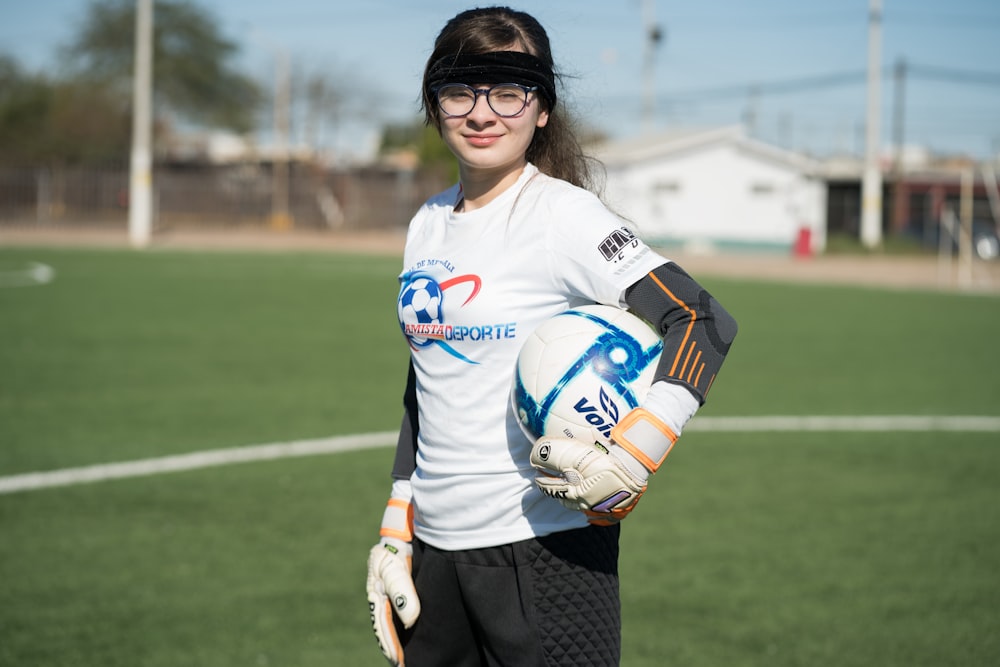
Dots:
pixel 44 121
pixel 193 79
pixel 24 105
pixel 83 113
pixel 331 96
pixel 425 142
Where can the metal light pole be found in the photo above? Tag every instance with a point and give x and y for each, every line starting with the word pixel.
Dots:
pixel 140 207
pixel 871 186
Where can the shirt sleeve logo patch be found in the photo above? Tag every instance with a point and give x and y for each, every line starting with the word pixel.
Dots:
pixel 613 245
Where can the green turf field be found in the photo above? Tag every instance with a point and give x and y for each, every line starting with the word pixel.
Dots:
pixel 779 549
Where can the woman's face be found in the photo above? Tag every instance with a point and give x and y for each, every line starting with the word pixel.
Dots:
pixel 482 140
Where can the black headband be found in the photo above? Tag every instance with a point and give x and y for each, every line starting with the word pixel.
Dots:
pixel 494 67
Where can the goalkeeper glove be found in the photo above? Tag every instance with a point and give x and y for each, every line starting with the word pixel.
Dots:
pixel 606 484
pixel 390 584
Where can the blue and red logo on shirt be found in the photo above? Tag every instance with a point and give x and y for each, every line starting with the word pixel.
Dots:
pixel 421 311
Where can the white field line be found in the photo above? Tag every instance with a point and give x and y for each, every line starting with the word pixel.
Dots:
pixel 219 457
pixel 859 424
pixel 193 461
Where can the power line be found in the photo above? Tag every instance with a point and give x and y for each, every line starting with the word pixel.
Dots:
pixel 832 80
pixel 952 75
pixel 774 87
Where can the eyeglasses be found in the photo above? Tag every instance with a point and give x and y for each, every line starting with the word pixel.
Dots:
pixel 506 99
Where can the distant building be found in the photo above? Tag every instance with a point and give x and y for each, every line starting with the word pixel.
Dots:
pixel 717 189
pixel 924 198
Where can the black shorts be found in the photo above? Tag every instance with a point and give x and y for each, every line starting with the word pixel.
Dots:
pixel 552 601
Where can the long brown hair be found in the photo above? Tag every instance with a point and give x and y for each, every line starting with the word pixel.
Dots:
pixel 555 149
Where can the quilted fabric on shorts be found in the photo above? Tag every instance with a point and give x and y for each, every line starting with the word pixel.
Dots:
pixel 576 597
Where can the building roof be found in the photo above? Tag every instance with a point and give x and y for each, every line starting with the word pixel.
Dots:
pixel 671 144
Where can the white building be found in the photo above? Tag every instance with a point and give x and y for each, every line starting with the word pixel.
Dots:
pixel 715 190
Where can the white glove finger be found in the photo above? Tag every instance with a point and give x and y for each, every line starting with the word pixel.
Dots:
pixel 559 455
pixel 390 591
pixel 541 456
pixel 399 588
pixel 583 477
pixel 561 490
pixel 385 629
pixel 601 493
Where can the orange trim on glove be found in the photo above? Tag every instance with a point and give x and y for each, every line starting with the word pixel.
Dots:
pixel 642 418
pixel 397 522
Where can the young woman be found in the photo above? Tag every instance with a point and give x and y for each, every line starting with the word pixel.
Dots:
pixel 495 550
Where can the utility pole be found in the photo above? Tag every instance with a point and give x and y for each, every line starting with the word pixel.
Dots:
pixel 653 38
pixel 965 228
pixel 140 206
pixel 871 186
pixel 899 108
pixel 281 218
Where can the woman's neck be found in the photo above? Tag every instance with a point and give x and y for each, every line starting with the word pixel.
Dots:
pixel 480 187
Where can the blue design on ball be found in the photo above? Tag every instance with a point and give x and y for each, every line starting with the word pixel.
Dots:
pixel 615 356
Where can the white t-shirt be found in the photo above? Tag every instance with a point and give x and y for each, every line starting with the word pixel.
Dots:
pixel 474 286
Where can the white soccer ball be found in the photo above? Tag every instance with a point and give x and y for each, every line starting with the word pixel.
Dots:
pixel 581 371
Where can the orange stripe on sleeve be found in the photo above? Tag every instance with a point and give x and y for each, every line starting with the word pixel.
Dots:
pixel 694 365
pixel 687 334
pixel 687 358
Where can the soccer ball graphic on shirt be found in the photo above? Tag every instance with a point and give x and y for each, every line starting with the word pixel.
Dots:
pixel 581 371
pixel 420 303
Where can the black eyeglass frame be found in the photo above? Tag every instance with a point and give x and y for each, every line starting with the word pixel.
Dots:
pixel 476 92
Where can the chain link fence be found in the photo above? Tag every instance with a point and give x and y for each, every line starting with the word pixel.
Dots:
pixel 231 196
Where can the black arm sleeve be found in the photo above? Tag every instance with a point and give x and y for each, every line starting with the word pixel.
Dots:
pixel 697 331
pixel 406 445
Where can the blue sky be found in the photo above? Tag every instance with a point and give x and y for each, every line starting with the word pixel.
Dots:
pixel 714 53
